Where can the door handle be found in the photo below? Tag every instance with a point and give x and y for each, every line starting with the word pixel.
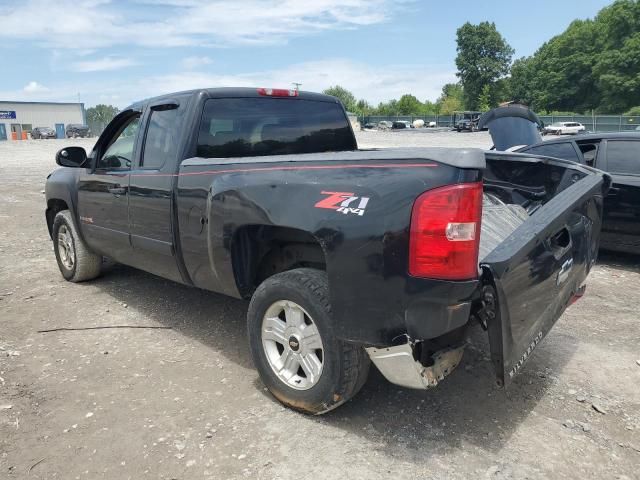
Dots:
pixel 117 190
pixel 613 192
pixel 561 242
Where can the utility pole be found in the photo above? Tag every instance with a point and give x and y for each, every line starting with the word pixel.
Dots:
pixel 296 85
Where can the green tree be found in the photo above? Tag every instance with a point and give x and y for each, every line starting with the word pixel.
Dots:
pixel 484 99
pixel 451 99
pixel 99 116
pixel 484 57
pixel 388 108
pixel 593 65
pixel 363 107
pixel 345 96
pixel 430 108
pixel 410 105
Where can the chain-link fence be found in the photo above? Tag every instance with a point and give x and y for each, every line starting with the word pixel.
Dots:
pixel 592 123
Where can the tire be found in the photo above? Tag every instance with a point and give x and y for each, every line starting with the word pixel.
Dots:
pixel 343 366
pixel 76 262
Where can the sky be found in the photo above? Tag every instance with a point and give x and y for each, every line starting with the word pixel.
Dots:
pixel 118 52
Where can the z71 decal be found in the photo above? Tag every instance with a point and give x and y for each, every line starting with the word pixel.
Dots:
pixel 343 202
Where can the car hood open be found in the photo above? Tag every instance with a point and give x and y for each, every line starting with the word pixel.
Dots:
pixel 511 125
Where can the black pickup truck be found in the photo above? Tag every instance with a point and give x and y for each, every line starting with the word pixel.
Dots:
pixel 347 255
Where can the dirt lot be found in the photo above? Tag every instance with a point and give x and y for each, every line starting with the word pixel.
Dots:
pixel 180 399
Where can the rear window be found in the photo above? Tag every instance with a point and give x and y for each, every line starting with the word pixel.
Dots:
pixel 623 157
pixel 241 127
pixel 557 150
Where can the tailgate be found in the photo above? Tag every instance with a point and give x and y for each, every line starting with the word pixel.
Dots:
pixel 538 269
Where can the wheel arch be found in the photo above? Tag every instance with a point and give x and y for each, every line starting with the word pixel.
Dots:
pixel 54 206
pixel 261 251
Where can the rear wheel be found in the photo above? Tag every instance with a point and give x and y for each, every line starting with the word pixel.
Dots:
pixel 293 346
pixel 76 262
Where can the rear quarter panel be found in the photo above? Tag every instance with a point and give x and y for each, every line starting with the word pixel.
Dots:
pixel 366 251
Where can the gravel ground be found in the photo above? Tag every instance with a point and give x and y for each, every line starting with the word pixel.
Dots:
pixel 180 400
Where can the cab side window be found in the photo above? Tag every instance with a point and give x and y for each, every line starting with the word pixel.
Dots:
pixel 623 157
pixel 119 152
pixel 161 141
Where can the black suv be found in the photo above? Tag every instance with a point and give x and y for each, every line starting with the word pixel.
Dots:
pixel 74 130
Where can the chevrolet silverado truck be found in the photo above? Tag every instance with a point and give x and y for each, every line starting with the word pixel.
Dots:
pixel 348 256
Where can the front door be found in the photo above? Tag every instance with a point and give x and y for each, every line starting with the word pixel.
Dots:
pixel 3 132
pixel 103 189
pixel 59 130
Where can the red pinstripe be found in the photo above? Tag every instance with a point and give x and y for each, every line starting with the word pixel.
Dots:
pixel 309 167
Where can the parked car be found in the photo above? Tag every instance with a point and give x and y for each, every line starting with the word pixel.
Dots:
pixel 616 153
pixel 563 128
pixel 466 124
pixel 619 155
pixel 74 130
pixel 401 125
pixel 370 126
pixel 347 255
pixel 385 125
pixel 43 132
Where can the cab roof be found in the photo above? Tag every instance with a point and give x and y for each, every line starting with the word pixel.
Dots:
pixel 230 92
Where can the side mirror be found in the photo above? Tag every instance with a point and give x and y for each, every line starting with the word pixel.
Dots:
pixel 73 157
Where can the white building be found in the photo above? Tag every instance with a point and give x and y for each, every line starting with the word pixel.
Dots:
pixel 17 119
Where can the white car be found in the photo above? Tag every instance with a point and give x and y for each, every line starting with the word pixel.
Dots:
pixel 564 128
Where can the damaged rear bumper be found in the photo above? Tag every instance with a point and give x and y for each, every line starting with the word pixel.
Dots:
pixel 399 366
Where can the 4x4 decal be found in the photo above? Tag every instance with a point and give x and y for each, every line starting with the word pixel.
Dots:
pixel 343 202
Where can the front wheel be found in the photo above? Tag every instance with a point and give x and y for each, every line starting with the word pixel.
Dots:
pixel 76 262
pixel 293 346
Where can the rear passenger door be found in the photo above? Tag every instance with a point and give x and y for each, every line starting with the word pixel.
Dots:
pixel 151 195
pixel 621 228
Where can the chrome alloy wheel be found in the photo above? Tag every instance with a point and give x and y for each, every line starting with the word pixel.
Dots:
pixel 292 345
pixel 65 247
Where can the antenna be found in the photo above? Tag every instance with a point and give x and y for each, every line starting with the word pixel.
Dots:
pixel 296 85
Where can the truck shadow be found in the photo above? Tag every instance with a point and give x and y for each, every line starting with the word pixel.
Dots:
pixel 467 408
pixel 215 320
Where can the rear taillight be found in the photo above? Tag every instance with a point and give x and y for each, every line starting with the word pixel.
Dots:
pixel 445 232
pixel 277 92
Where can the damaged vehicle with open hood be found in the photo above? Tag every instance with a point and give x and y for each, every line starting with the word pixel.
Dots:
pixel 515 128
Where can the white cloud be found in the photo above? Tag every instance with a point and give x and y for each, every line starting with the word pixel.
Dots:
pixel 373 83
pixel 86 24
pixel 34 87
pixel 193 63
pixel 103 64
